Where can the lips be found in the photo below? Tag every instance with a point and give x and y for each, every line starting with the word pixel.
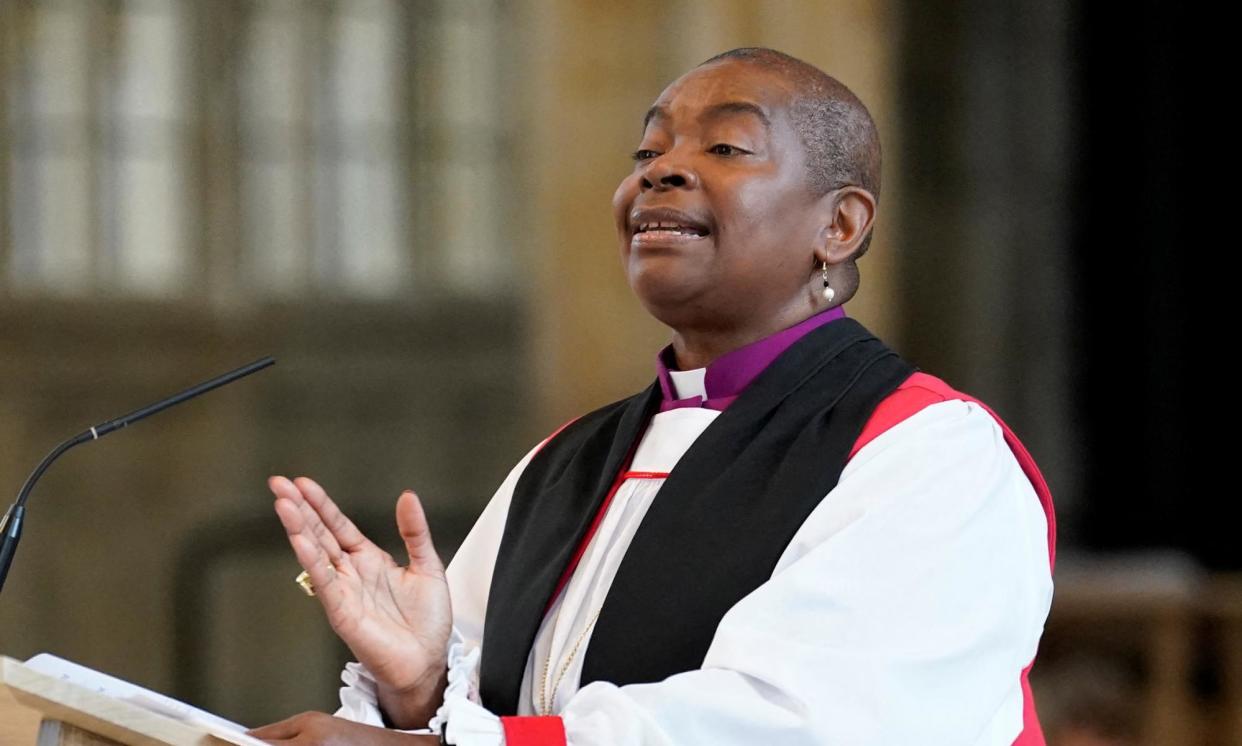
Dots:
pixel 653 239
pixel 665 226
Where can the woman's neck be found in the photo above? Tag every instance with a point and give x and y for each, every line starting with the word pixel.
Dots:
pixel 698 347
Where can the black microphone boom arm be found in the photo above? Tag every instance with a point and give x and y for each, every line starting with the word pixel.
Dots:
pixel 11 524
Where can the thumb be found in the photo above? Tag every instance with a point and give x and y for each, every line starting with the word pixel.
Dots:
pixel 412 523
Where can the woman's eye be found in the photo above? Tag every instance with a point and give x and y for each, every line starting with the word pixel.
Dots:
pixel 642 154
pixel 733 150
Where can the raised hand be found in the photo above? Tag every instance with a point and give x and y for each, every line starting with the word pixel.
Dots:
pixel 396 620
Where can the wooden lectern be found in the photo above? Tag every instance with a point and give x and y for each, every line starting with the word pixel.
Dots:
pixel 41 710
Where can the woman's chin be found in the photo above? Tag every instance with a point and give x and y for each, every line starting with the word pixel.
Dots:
pixel 665 296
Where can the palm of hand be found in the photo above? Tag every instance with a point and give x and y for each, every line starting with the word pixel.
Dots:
pixel 396 620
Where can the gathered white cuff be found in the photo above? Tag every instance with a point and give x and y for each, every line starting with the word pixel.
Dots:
pixel 359 696
pixel 468 722
pixel 360 699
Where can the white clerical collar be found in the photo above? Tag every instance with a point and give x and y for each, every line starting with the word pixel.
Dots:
pixel 723 379
pixel 688 383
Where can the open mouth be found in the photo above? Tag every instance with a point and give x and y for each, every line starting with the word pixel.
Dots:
pixel 652 231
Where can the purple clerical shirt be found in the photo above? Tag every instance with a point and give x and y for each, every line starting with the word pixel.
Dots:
pixel 727 375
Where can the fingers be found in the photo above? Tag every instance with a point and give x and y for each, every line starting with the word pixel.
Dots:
pixel 305 724
pixel 287 509
pixel 312 523
pixel 307 522
pixel 343 530
pixel 322 729
pixel 309 553
pixel 319 532
pixel 416 533
pixel 287 728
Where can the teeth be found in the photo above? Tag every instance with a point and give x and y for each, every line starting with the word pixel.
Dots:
pixel 666 227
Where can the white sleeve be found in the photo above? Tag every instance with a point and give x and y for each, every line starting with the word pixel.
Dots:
pixel 903 611
pixel 469 577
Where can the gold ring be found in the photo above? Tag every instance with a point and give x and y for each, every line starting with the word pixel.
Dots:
pixel 303 579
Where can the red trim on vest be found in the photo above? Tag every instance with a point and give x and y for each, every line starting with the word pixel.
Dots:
pixel 599 517
pixel 645 475
pixel 533 730
pixel 544 442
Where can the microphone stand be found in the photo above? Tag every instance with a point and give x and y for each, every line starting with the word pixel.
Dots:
pixel 11 524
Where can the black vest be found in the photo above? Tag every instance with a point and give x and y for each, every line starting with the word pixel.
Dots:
pixel 713 534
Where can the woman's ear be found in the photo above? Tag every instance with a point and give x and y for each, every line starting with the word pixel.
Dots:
pixel 849 212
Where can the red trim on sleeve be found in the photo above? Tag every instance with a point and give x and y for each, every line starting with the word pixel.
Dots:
pixel 908 399
pixel 533 730
pixel 920 390
pixel 1032 734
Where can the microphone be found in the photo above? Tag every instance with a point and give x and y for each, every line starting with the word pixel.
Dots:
pixel 11 524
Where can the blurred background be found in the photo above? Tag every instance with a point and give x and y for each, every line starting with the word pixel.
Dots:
pixel 408 205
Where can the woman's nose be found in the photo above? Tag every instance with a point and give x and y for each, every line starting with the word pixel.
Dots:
pixel 665 172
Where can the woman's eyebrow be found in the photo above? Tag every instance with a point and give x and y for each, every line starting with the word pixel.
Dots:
pixel 715 111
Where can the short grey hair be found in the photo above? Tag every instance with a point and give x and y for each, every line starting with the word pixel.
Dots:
pixel 841 140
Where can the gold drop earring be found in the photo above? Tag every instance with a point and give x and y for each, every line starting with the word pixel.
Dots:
pixel 829 293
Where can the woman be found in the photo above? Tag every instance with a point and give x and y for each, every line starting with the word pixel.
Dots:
pixel 848 551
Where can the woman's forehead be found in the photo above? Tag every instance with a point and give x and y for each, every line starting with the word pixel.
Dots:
pixel 726 81
pixel 725 87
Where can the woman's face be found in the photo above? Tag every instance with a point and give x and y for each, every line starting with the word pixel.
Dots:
pixel 719 157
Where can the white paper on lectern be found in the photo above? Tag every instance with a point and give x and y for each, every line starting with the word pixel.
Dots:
pixel 110 686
